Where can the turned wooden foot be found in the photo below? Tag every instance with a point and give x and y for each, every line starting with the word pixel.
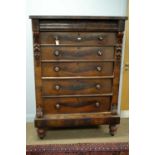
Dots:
pixel 112 129
pixel 41 133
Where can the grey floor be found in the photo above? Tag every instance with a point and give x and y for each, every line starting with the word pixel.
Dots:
pixel 82 135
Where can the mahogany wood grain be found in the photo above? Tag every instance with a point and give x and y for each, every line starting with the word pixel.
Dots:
pixel 84 86
pixel 74 120
pixel 117 65
pixel 78 77
pixel 77 62
pixel 76 105
pixel 37 66
pixel 78 38
pixel 77 69
pixel 96 18
pixel 78 95
pixel 77 53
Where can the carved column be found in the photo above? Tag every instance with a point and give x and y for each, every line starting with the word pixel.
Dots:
pixel 37 63
pixel 36 47
pixel 117 65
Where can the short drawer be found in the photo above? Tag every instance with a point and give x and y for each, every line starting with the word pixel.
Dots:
pixel 78 38
pixel 59 69
pixel 79 86
pixel 77 53
pixel 76 105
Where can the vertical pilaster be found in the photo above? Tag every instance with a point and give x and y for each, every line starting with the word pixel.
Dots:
pixel 117 67
pixel 37 63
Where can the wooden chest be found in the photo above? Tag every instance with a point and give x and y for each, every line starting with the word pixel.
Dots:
pixel 77 70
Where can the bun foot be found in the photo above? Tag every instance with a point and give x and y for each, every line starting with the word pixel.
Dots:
pixel 41 133
pixel 112 129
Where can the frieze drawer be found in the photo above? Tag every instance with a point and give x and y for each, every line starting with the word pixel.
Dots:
pixel 78 38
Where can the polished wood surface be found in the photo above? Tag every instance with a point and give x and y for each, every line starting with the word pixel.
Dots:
pixel 80 17
pixel 74 120
pixel 76 105
pixel 77 70
pixel 77 53
pixel 78 86
pixel 78 38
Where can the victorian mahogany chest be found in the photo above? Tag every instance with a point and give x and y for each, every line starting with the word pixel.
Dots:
pixel 77 70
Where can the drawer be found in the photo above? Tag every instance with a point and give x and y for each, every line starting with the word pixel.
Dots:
pixel 77 53
pixel 80 86
pixel 76 105
pixel 77 38
pixel 77 69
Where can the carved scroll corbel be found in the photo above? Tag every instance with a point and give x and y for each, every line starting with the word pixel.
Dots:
pixel 119 46
pixel 36 47
pixel 118 53
pixel 37 51
pixel 120 37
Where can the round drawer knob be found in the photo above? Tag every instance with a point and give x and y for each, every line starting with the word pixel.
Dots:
pixel 57 69
pixel 57 106
pixel 79 38
pixel 56 53
pixel 98 86
pixel 97 104
pixel 100 38
pixel 99 68
pixel 99 53
pixel 57 87
pixel 57 42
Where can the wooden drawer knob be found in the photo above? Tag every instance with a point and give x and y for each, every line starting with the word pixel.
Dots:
pixel 56 53
pixel 57 87
pixel 57 69
pixel 79 38
pixel 100 38
pixel 57 42
pixel 99 53
pixel 97 104
pixel 57 106
pixel 98 86
pixel 99 68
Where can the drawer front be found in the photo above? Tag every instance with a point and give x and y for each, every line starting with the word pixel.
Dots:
pixel 77 69
pixel 78 38
pixel 77 53
pixel 76 105
pixel 71 87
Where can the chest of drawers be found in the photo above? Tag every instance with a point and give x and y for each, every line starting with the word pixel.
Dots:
pixel 77 64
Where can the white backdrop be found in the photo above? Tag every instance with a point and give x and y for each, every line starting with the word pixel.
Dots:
pixel 61 7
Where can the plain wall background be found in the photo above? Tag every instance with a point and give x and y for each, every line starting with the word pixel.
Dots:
pixel 61 7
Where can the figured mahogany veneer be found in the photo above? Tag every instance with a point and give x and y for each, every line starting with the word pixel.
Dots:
pixel 57 69
pixel 77 64
pixel 78 38
pixel 76 105
pixel 77 53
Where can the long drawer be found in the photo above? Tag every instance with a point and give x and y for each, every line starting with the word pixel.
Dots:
pixel 80 86
pixel 76 105
pixel 77 38
pixel 77 53
pixel 58 69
